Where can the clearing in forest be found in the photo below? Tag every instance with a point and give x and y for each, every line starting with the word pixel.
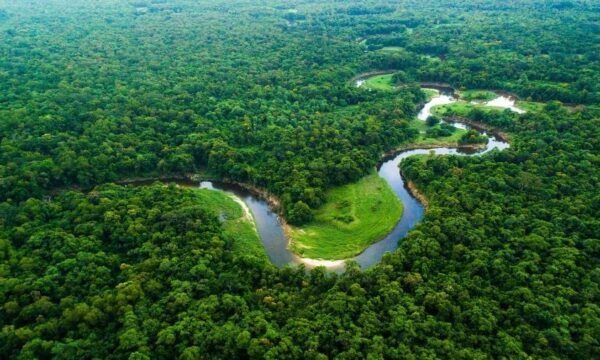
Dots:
pixel 353 217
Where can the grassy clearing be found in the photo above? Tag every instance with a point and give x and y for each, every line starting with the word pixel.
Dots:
pixel 430 93
pixel 353 217
pixel 390 49
pixel 461 109
pixel 477 95
pixel 237 224
pixel 380 82
pixel 530 106
pixel 422 127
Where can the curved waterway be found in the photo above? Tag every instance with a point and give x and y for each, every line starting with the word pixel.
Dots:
pixel 270 227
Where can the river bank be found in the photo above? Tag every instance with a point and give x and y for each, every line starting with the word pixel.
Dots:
pixel 274 231
pixel 412 187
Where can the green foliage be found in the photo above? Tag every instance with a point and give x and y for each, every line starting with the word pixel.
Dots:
pixel 430 93
pixel 506 224
pixel 381 82
pixel 432 120
pixel 504 264
pixel 161 102
pixel 352 217
pixel 87 274
pixel 441 130
pixel 477 95
pixel 481 113
pixel 424 138
pixel 299 213
pixel 473 137
pixel 237 222
pixel 466 110
pixel 401 78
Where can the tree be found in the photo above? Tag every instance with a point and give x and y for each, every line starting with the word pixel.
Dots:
pixel 299 213
pixel 432 120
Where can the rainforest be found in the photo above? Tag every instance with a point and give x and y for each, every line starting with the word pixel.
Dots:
pixel 299 179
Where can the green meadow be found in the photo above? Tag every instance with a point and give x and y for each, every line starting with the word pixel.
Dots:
pixel 237 224
pixel 380 82
pixel 425 140
pixel 353 217
pixel 461 109
pixel 477 95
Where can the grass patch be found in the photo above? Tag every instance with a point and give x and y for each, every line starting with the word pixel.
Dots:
pixel 380 82
pixel 423 139
pixel 353 217
pixel 530 106
pixel 477 95
pixel 461 109
pixel 236 223
pixel 430 93
pixel 390 49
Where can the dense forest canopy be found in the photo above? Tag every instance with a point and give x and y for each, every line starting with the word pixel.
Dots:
pixel 504 264
pixel 239 87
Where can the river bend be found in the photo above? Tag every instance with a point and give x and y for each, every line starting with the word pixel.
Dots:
pixel 270 227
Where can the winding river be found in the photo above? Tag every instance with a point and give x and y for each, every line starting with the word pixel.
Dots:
pixel 270 227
